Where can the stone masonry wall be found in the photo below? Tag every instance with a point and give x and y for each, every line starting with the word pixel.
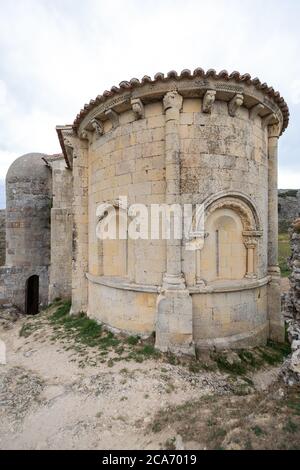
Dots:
pixel 28 201
pixel 129 161
pixel 188 140
pixel 291 306
pixel 222 154
pixel 294 294
pixel 218 154
pixel 60 285
pixel 288 207
pixel 2 237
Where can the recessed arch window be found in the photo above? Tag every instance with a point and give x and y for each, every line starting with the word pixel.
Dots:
pixel 231 237
pixel 224 252
pixel 115 248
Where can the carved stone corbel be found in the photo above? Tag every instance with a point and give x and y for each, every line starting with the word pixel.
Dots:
pixel 235 103
pixel 97 127
pixel 255 110
pixel 267 119
pixel 84 135
pixel 138 108
pixel 113 117
pixel 208 101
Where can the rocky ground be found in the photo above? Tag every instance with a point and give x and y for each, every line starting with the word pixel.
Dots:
pixel 68 385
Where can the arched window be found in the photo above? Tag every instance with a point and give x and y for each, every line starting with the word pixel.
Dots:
pixel 114 250
pixel 232 230
pixel 224 252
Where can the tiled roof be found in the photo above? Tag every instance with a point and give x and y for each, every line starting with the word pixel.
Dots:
pixel 198 72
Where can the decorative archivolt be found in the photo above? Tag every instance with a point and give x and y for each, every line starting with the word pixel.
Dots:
pixel 238 203
pixel 106 219
pixel 237 206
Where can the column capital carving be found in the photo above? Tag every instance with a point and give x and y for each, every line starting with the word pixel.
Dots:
pixel 274 130
pixel 138 108
pixel 208 101
pixel 172 99
pixel 250 242
pixel 267 119
pixel 97 126
pixel 113 116
pixel 235 103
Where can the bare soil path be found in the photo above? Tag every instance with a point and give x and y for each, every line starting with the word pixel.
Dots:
pixel 53 396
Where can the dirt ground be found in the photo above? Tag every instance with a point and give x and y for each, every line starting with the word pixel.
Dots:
pixel 55 395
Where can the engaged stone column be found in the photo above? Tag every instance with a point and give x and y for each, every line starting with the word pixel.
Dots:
pixel 172 105
pixel 250 246
pixel 273 132
pixel 174 321
pixel 274 296
pixel 80 226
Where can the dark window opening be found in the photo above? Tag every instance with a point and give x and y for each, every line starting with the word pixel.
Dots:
pixel 32 295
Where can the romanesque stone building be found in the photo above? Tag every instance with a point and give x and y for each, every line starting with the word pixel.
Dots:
pixel 198 138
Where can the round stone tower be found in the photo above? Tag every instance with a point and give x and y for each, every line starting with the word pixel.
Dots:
pixel 28 205
pixel 203 138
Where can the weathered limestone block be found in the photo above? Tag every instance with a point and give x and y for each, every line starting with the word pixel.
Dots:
pixel 174 322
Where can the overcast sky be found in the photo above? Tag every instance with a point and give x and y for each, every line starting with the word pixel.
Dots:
pixel 55 55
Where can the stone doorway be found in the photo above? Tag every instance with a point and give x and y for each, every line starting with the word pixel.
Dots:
pixel 32 295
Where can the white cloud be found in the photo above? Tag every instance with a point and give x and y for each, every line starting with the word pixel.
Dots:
pixel 288 179
pixel 55 56
pixel 3 93
pixel 6 159
pixel 295 91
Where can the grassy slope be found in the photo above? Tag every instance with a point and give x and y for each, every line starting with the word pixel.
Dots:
pixel 284 251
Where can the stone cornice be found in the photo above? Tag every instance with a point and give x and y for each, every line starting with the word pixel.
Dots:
pixel 188 84
pixel 217 286
pixel 70 143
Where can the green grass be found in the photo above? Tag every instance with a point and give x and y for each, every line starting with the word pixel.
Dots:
pixel 284 252
pixel 80 331
pixel 27 329
pixel 133 340
pixel 290 426
pixel 236 368
pixel 84 329
pixel 258 431
pixel 248 361
pixel 294 403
